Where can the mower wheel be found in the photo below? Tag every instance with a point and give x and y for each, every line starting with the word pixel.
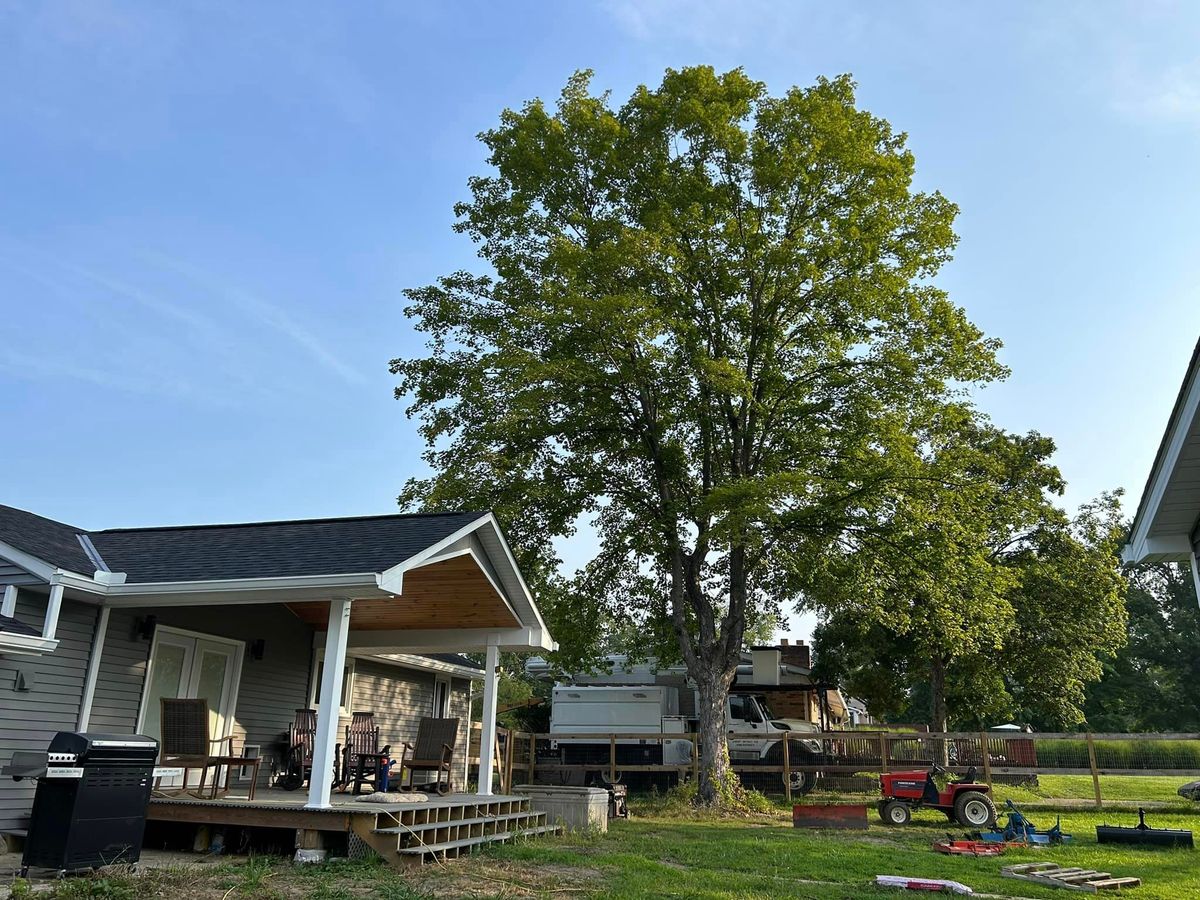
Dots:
pixel 895 812
pixel 974 810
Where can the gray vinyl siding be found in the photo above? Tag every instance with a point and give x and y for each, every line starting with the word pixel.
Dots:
pixel 400 698
pixel 13 574
pixel 29 719
pixel 270 690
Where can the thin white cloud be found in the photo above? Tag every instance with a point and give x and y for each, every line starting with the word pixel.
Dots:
pixel 270 314
pixel 278 318
pixel 1169 94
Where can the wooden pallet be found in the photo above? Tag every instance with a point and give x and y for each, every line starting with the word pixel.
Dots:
pixel 1073 879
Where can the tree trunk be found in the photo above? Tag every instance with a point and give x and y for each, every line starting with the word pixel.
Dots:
pixel 715 776
pixel 937 712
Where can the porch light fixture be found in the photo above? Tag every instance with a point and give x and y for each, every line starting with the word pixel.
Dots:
pixel 144 627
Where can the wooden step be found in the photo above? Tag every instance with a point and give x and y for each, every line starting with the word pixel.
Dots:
pixel 450 849
pixel 449 823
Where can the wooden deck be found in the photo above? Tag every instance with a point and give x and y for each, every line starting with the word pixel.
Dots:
pixel 415 828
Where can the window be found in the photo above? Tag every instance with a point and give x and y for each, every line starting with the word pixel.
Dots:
pixel 441 698
pixel 737 708
pixel 347 684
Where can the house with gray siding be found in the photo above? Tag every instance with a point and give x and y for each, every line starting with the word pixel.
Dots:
pixel 96 627
pixel 1166 527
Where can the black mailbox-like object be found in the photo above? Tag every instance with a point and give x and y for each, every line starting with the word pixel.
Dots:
pixel 89 809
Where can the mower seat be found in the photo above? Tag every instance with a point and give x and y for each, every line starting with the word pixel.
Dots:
pixel 972 777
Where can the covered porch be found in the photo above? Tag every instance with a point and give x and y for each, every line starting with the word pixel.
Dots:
pixel 270 646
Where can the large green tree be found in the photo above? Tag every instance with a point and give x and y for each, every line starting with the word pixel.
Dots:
pixel 1151 685
pixel 708 331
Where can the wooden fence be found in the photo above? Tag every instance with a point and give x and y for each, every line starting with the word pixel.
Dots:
pixel 522 757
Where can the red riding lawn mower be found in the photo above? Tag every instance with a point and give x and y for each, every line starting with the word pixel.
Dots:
pixel 964 800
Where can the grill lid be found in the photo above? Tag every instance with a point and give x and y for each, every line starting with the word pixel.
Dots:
pixel 96 745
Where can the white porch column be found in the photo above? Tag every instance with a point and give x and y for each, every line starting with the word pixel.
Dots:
pixel 487 740
pixel 53 606
pixel 9 606
pixel 93 671
pixel 1196 573
pixel 321 782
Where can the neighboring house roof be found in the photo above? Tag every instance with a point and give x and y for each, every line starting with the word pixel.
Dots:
pixel 454 659
pixel 273 549
pixel 1167 513
pixel 50 541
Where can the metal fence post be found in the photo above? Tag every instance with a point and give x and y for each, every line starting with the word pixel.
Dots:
pixel 1091 745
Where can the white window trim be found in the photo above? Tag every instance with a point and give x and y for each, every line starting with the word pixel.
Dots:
pixel 443 679
pixel 314 700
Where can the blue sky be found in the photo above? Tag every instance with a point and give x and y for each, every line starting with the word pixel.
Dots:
pixel 208 213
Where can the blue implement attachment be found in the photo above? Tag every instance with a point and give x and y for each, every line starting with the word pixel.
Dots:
pixel 1019 830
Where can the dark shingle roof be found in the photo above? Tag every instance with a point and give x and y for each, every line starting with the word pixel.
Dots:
pixel 454 659
pixel 273 549
pixel 14 626
pixel 249 550
pixel 49 541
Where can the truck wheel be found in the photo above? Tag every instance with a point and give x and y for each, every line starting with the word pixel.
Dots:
pixel 895 812
pixel 974 810
pixel 801 782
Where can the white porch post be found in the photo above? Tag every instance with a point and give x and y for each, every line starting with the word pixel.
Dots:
pixel 53 606
pixel 9 606
pixel 321 782
pixel 93 671
pixel 487 739
pixel 1196 573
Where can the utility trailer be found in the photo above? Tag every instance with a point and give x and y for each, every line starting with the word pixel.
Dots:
pixel 627 710
pixel 755 736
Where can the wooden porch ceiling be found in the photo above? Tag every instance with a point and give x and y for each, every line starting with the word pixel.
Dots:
pixel 454 593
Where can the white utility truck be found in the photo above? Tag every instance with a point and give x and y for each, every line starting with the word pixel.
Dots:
pixel 755 736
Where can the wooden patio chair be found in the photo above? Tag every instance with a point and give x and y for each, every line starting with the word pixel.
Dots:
pixel 362 757
pixel 186 744
pixel 432 751
pixel 302 738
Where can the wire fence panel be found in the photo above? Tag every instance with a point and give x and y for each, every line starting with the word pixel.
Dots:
pixel 850 761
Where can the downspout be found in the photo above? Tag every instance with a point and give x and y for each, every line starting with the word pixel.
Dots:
pixel 1196 574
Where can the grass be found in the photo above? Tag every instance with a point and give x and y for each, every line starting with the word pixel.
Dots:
pixel 664 856
pixel 670 850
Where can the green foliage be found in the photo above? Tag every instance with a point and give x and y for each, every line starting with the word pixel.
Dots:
pixel 1151 685
pixel 983 602
pixel 709 335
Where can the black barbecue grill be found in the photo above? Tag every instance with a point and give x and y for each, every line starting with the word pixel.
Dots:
pixel 89 809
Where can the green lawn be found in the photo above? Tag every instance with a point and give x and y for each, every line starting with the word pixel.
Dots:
pixel 667 857
pixel 669 850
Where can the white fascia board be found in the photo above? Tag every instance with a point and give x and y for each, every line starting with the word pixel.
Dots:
pixel 287 589
pixel 527 596
pixel 453 639
pixel 1179 430
pixel 393 578
pixel 1159 548
pixel 39 568
pixel 26 644
pixel 421 663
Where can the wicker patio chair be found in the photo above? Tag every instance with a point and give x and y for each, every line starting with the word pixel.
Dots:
pixel 362 757
pixel 186 744
pixel 432 752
